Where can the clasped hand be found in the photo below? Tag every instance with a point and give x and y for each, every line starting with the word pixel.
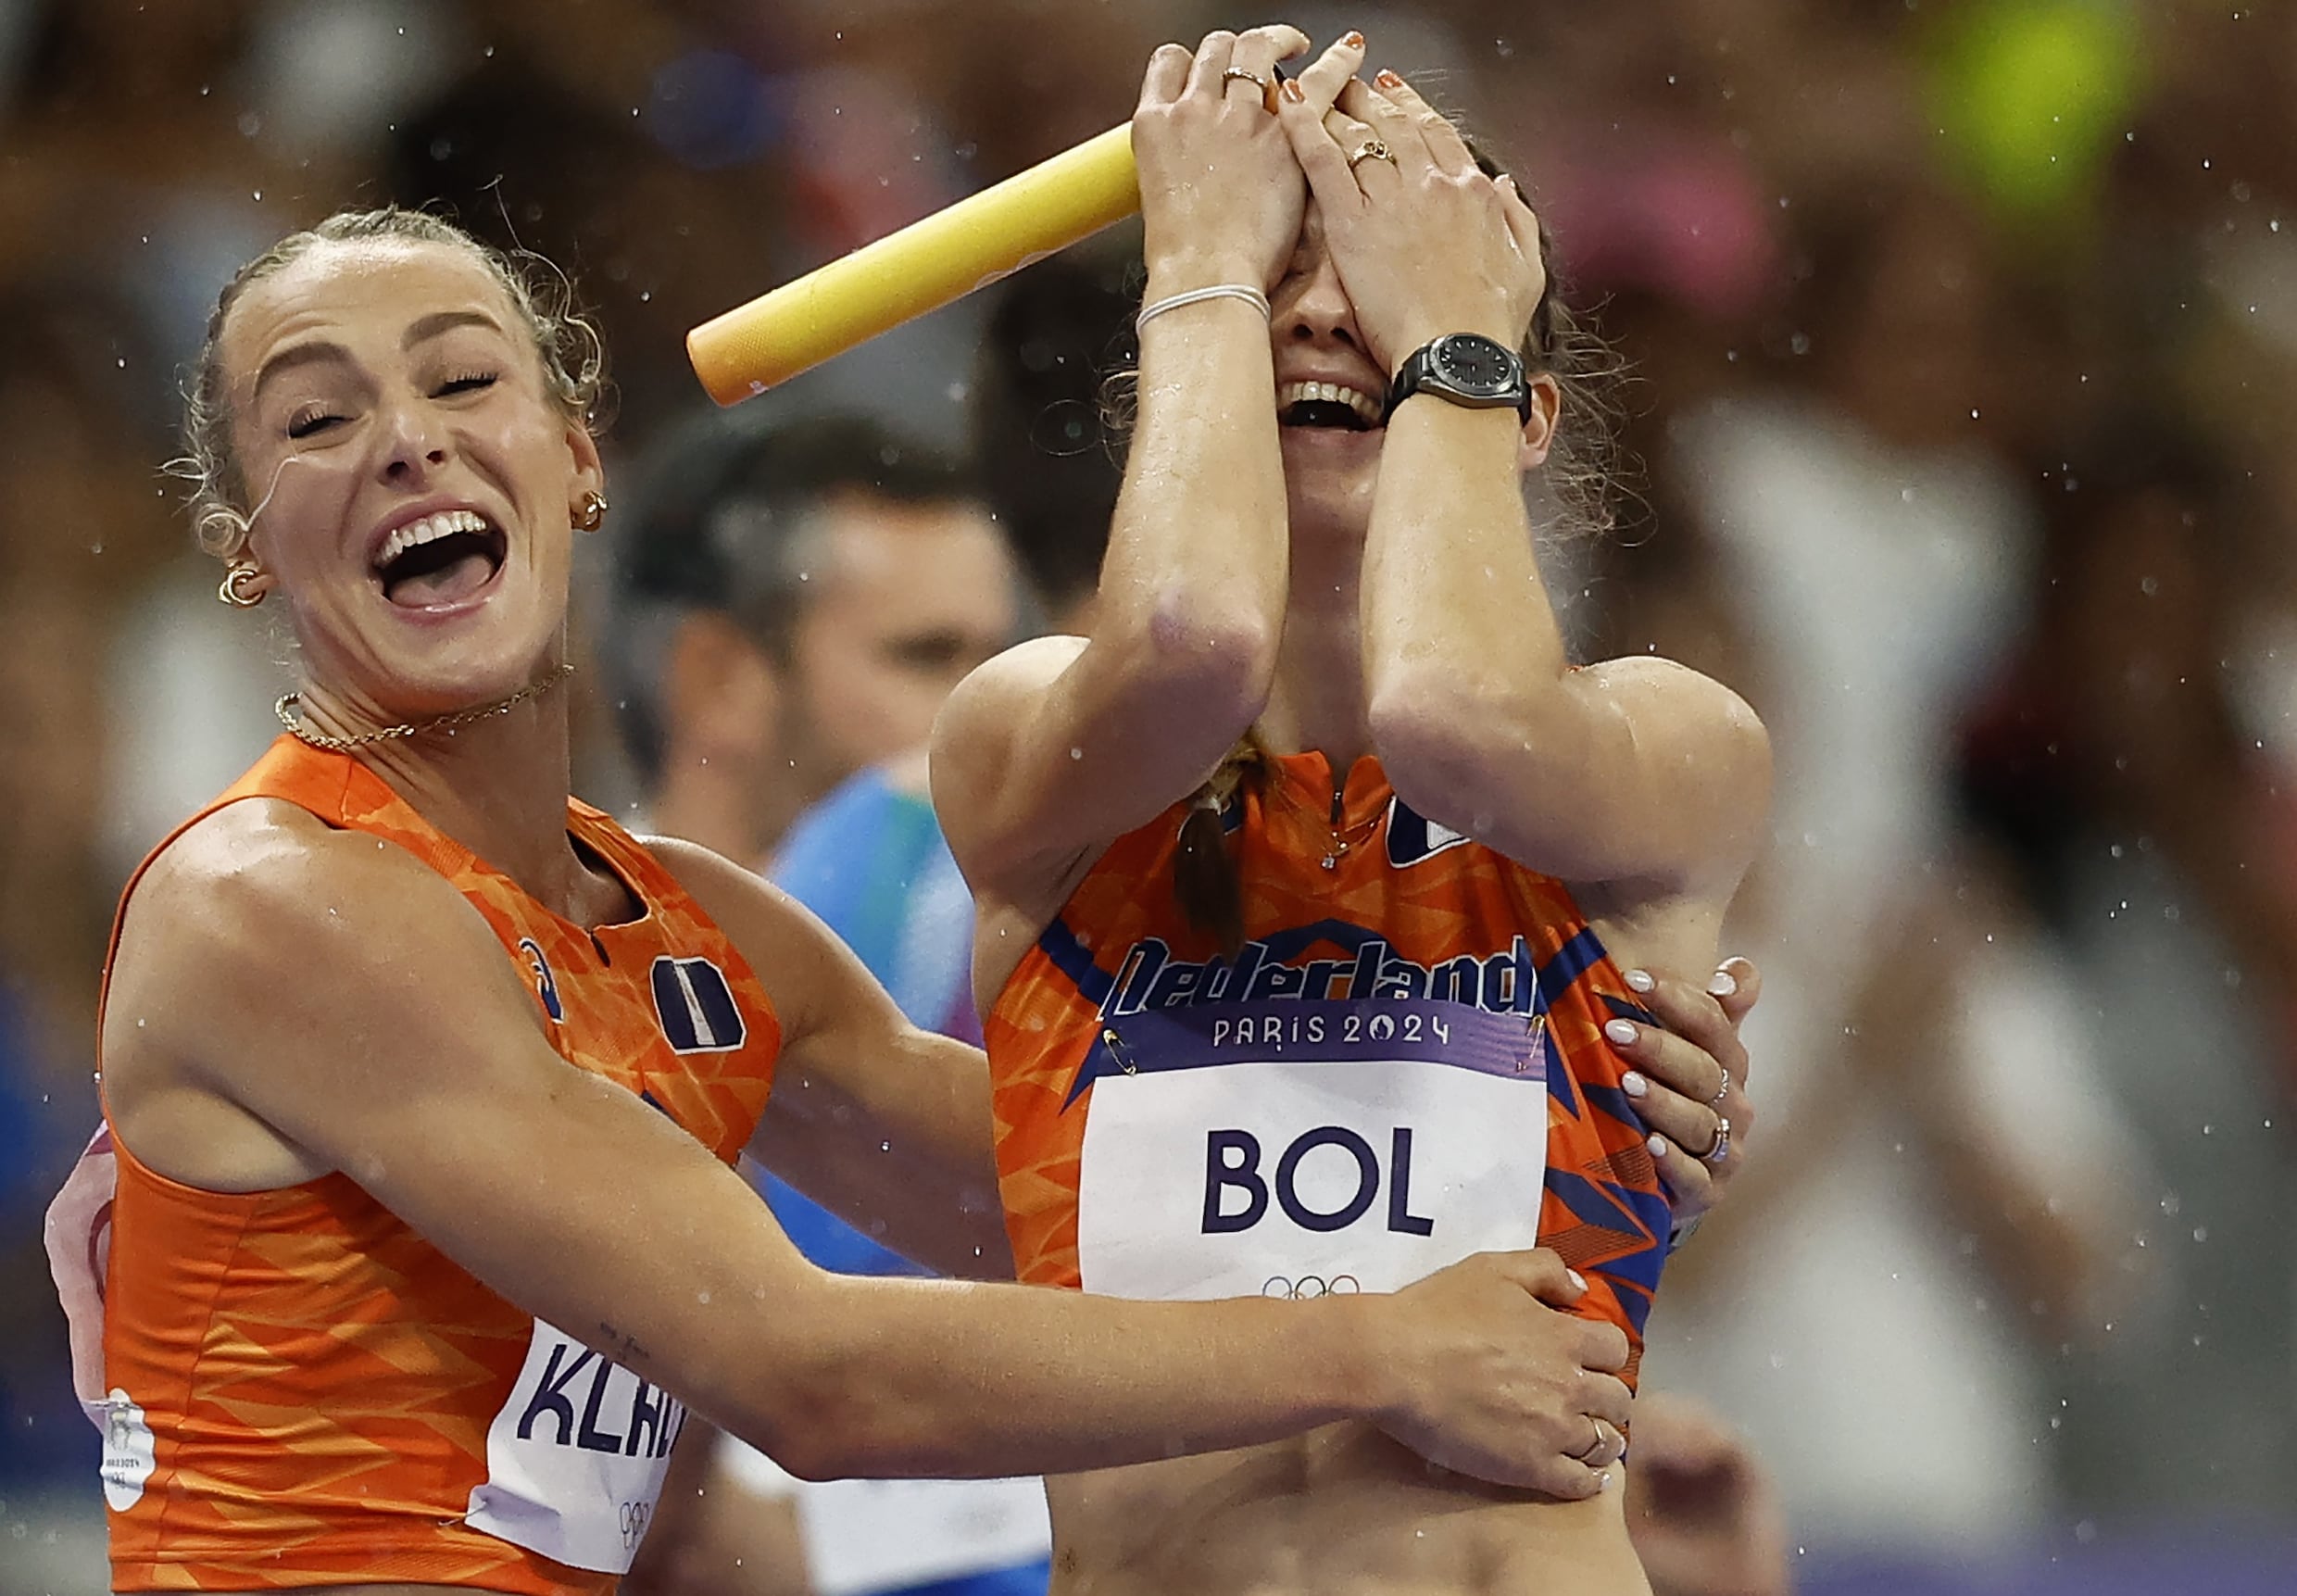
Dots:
pixel 1424 241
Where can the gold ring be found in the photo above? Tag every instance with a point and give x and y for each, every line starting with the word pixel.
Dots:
pixel 1371 149
pixel 1238 75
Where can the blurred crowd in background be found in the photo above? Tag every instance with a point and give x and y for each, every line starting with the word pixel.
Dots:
pixel 1962 343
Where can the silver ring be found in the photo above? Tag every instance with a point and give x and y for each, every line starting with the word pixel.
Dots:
pixel 1722 1148
pixel 1587 1454
pixel 1722 1091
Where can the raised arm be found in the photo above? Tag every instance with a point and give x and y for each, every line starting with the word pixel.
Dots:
pixel 1064 744
pixel 348 1000
pixel 1637 769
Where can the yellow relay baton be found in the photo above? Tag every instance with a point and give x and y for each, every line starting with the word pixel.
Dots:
pixel 922 266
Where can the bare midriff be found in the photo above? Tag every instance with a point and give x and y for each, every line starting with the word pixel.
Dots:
pixel 1343 1511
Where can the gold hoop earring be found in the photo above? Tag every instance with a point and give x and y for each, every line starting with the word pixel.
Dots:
pixel 230 590
pixel 592 515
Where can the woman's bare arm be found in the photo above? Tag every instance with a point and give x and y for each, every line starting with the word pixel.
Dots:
pixel 885 1125
pixel 1637 770
pixel 349 1000
pixel 1060 745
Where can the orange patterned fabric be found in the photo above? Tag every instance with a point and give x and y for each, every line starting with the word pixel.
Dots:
pixel 312 1382
pixel 1406 909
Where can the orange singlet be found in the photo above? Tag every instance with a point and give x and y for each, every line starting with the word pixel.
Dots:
pixel 1403 1064
pixel 300 1391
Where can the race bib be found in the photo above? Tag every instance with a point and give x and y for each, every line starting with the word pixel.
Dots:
pixel 575 1458
pixel 1293 1149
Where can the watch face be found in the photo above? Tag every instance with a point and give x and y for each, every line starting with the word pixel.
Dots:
pixel 1474 362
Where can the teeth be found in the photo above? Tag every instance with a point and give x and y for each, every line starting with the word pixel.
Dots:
pixel 429 529
pixel 1365 404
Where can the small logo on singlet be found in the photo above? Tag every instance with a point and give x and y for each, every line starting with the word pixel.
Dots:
pixel 545 984
pixel 129 1451
pixel 696 1006
pixel 1412 837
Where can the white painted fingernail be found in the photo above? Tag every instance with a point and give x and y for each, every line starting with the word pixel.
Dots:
pixel 1602 1480
pixel 1632 1083
pixel 1656 1146
pixel 1724 984
pixel 1578 1281
pixel 1620 1031
pixel 1641 980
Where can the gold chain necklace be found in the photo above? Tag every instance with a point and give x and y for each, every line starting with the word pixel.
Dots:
pixel 1345 838
pixel 289 703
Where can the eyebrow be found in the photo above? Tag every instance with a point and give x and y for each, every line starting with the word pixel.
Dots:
pixel 321 350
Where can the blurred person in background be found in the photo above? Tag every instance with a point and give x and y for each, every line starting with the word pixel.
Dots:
pixel 1960 1189
pixel 797 594
pixel 2139 780
pixel 794 597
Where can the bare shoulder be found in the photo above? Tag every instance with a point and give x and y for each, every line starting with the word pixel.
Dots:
pixel 979 717
pixel 254 884
pixel 978 774
pixel 261 908
pixel 260 948
pixel 1684 712
pixel 1704 744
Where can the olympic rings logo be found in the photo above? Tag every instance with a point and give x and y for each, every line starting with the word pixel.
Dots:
pixel 1308 1287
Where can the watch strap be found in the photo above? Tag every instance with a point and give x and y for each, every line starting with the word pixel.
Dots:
pixel 1419 374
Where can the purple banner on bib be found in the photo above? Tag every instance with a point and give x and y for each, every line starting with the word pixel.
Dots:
pixel 1318 1031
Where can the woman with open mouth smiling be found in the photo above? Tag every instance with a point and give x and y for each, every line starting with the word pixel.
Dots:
pixel 1317 888
pixel 422 1080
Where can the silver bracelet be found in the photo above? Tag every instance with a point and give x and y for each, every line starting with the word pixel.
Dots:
pixel 1243 291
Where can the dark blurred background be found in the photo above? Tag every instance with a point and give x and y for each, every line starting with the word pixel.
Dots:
pixel 1962 419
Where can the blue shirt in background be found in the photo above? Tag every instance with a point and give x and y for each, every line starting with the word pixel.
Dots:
pixel 870 861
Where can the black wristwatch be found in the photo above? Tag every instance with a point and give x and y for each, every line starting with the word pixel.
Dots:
pixel 1467 369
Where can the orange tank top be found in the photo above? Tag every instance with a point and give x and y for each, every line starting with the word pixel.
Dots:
pixel 1402 1065
pixel 301 1390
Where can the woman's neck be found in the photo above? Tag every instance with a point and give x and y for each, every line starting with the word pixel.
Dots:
pixel 1317 702
pixel 499 786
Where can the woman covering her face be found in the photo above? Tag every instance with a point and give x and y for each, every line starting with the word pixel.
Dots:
pixel 1316 885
